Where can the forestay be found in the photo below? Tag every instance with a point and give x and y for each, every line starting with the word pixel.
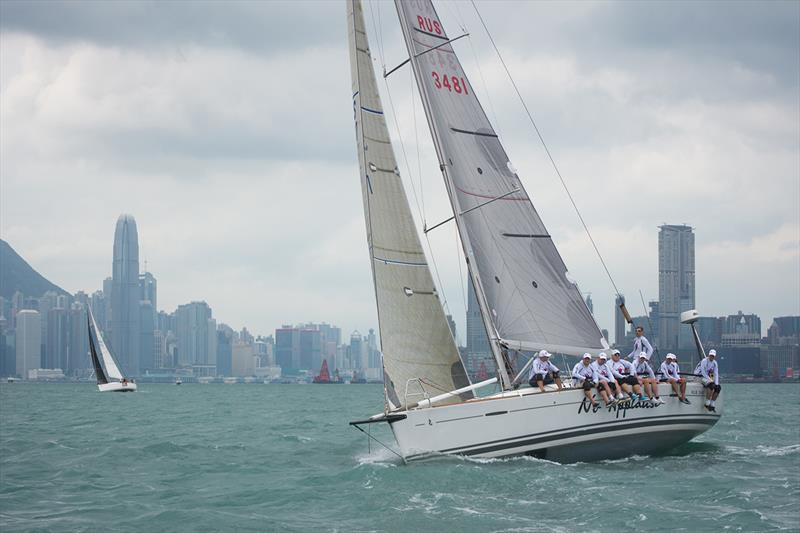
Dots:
pixel 526 293
pixel 416 341
pixel 112 371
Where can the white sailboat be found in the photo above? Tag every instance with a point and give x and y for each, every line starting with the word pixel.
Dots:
pixel 526 299
pixel 109 377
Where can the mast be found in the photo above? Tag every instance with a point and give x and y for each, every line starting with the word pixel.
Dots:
pixel 483 306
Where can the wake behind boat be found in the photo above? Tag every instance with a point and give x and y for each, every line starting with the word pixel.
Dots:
pixel 526 300
pixel 109 377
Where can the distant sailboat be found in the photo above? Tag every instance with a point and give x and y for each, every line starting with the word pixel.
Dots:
pixel 109 377
pixel 527 301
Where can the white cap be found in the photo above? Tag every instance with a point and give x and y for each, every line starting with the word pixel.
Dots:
pixel 672 356
pixel 712 352
pixel 544 353
pixel 615 352
pixel 643 354
pixel 602 355
pixel 586 355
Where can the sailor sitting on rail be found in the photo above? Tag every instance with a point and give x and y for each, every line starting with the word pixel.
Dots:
pixel 647 378
pixel 543 372
pixel 708 369
pixel 625 374
pixel 640 344
pixel 604 379
pixel 584 376
pixel 670 372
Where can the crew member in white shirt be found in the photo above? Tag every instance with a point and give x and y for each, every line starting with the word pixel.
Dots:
pixel 543 372
pixel 605 379
pixel 708 369
pixel 670 372
pixel 625 374
pixel 647 378
pixel 640 344
pixel 584 376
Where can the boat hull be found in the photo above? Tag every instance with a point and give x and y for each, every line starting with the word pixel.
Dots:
pixel 558 426
pixel 117 386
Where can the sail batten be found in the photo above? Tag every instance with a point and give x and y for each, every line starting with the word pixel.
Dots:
pixel 419 353
pixel 520 279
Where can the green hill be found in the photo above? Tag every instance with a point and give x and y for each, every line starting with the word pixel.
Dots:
pixel 17 275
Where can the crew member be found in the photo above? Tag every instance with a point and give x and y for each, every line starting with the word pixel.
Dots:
pixel 604 379
pixel 647 378
pixel 543 372
pixel 670 372
pixel 708 369
pixel 625 374
pixel 640 344
pixel 584 376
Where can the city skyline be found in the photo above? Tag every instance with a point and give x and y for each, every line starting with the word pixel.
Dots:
pixel 258 203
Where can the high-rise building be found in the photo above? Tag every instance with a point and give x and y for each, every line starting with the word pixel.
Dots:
pixel 742 323
pixel 675 284
pixel 785 330
pixel 224 350
pixel 146 334
pixel 590 303
pixel 195 331
pixel 358 352
pixel 78 340
pixel 287 348
pixel 108 285
pixel 478 349
pixel 28 342
pixel 125 313
pixel 148 289
pixel 57 353
pixel 619 320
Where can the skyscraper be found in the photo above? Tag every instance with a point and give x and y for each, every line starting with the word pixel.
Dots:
pixel 675 284
pixel 29 342
pixel 478 349
pixel 125 319
pixel 197 338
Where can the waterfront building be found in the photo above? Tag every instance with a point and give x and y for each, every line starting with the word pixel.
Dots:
pixel 125 312
pixel 676 284
pixel 148 289
pixel 785 330
pixel 28 340
pixel 742 323
pixel 146 335
pixel 197 338
pixel 224 350
pixel 56 354
pixel 478 349
pixel 287 348
pixel 590 303
pixel 243 360
pixel 79 360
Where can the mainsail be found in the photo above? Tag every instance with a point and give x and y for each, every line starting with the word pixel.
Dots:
pixel 520 279
pixel 97 344
pixel 419 352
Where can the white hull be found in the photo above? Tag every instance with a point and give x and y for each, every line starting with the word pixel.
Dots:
pixel 556 426
pixel 117 386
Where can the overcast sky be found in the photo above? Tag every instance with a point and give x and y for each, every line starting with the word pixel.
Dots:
pixel 226 129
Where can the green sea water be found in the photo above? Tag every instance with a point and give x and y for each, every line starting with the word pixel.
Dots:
pixel 282 458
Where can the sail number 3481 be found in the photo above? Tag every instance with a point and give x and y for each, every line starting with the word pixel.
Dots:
pixel 451 83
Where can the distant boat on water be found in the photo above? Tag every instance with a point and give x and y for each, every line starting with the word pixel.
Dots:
pixel 324 376
pixel 109 377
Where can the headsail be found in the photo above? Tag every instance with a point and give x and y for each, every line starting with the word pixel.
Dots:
pixel 521 280
pixel 416 341
pixel 93 349
pixel 99 345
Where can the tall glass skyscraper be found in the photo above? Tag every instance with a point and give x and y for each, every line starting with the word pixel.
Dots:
pixel 125 316
pixel 675 284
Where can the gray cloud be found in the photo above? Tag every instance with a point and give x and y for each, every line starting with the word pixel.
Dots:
pixel 226 129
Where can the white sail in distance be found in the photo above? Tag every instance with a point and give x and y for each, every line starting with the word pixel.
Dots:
pixel 419 352
pixel 522 283
pixel 112 371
